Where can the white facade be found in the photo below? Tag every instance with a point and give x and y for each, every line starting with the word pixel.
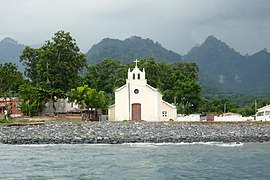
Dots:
pixel 229 117
pixel 136 100
pixel 263 114
pixel 189 118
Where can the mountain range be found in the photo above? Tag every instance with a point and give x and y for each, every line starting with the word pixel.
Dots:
pixel 222 70
pixel 129 49
pixel 226 71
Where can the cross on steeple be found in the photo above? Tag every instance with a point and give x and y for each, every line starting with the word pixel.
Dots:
pixel 136 61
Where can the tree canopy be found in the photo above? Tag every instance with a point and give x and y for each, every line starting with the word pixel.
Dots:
pixel 91 98
pixel 10 79
pixel 58 62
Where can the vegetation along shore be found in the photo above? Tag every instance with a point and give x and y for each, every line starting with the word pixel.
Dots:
pixel 133 132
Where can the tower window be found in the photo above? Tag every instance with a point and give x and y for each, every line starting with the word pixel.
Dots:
pixel 134 76
pixel 139 76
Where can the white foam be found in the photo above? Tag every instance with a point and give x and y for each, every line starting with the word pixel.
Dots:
pixel 140 144
pixel 220 144
pixel 37 145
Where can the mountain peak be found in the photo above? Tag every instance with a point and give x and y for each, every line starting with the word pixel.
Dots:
pixel 9 40
pixel 134 37
pixel 213 41
pixel 211 38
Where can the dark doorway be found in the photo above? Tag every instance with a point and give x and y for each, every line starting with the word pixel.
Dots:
pixel 136 111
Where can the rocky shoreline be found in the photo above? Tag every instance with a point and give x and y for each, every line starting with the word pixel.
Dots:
pixel 134 132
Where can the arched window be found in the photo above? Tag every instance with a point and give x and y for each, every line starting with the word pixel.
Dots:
pixel 139 76
pixel 133 76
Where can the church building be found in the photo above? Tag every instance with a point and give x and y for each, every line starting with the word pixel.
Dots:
pixel 137 100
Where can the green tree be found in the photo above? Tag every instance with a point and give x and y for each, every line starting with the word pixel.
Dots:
pixel 219 106
pixel 182 87
pixel 10 79
pixel 88 97
pixel 106 76
pixel 35 98
pixel 154 71
pixel 30 58
pixel 58 62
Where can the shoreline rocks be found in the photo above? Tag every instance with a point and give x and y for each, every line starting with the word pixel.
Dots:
pixel 134 132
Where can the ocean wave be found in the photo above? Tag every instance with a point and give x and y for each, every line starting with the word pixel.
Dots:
pixel 220 144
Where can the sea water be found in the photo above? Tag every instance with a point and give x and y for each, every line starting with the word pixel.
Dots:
pixel 136 161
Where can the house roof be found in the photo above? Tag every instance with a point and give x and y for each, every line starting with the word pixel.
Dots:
pixel 231 114
pixel 267 107
pixel 168 104
pixel 2 104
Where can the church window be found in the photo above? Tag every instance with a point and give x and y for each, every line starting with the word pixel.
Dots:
pixel 136 91
pixel 139 76
pixel 164 113
pixel 133 75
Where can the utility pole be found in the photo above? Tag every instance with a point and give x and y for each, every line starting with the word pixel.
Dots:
pixel 255 106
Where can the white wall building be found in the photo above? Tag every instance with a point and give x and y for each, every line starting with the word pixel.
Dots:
pixel 229 117
pixel 189 118
pixel 136 100
pixel 263 114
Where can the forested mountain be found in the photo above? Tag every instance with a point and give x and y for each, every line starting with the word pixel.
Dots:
pixel 129 49
pixel 224 70
pixel 10 51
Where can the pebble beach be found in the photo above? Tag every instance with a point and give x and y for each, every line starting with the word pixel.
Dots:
pixel 134 132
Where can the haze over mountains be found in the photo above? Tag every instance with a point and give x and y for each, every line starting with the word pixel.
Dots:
pixel 222 69
pixel 10 51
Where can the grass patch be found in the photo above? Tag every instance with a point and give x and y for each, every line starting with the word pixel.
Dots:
pixel 6 121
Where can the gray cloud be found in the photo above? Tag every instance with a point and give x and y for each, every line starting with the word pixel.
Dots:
pixel 176 24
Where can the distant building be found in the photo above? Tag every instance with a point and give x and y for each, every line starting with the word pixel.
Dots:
pixel 263 114
pixel 229 117
pixel 137 100
pixel 62 106
pixel 189 118
pixel 12 105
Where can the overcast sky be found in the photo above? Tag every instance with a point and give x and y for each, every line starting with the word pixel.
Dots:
pixel 177 24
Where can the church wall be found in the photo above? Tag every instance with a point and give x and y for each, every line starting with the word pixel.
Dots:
pixel 111 113
pixel 171 112
pixel 121 104
pixel 148 99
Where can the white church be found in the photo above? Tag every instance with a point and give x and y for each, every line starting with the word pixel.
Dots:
pixel 137 100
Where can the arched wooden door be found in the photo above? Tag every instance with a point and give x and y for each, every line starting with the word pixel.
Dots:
pixel 136 111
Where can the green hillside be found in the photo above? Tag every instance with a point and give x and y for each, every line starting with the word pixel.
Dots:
pixel 129 49
pixel 225 71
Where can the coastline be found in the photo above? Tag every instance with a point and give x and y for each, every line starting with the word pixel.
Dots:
pixel 135 132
